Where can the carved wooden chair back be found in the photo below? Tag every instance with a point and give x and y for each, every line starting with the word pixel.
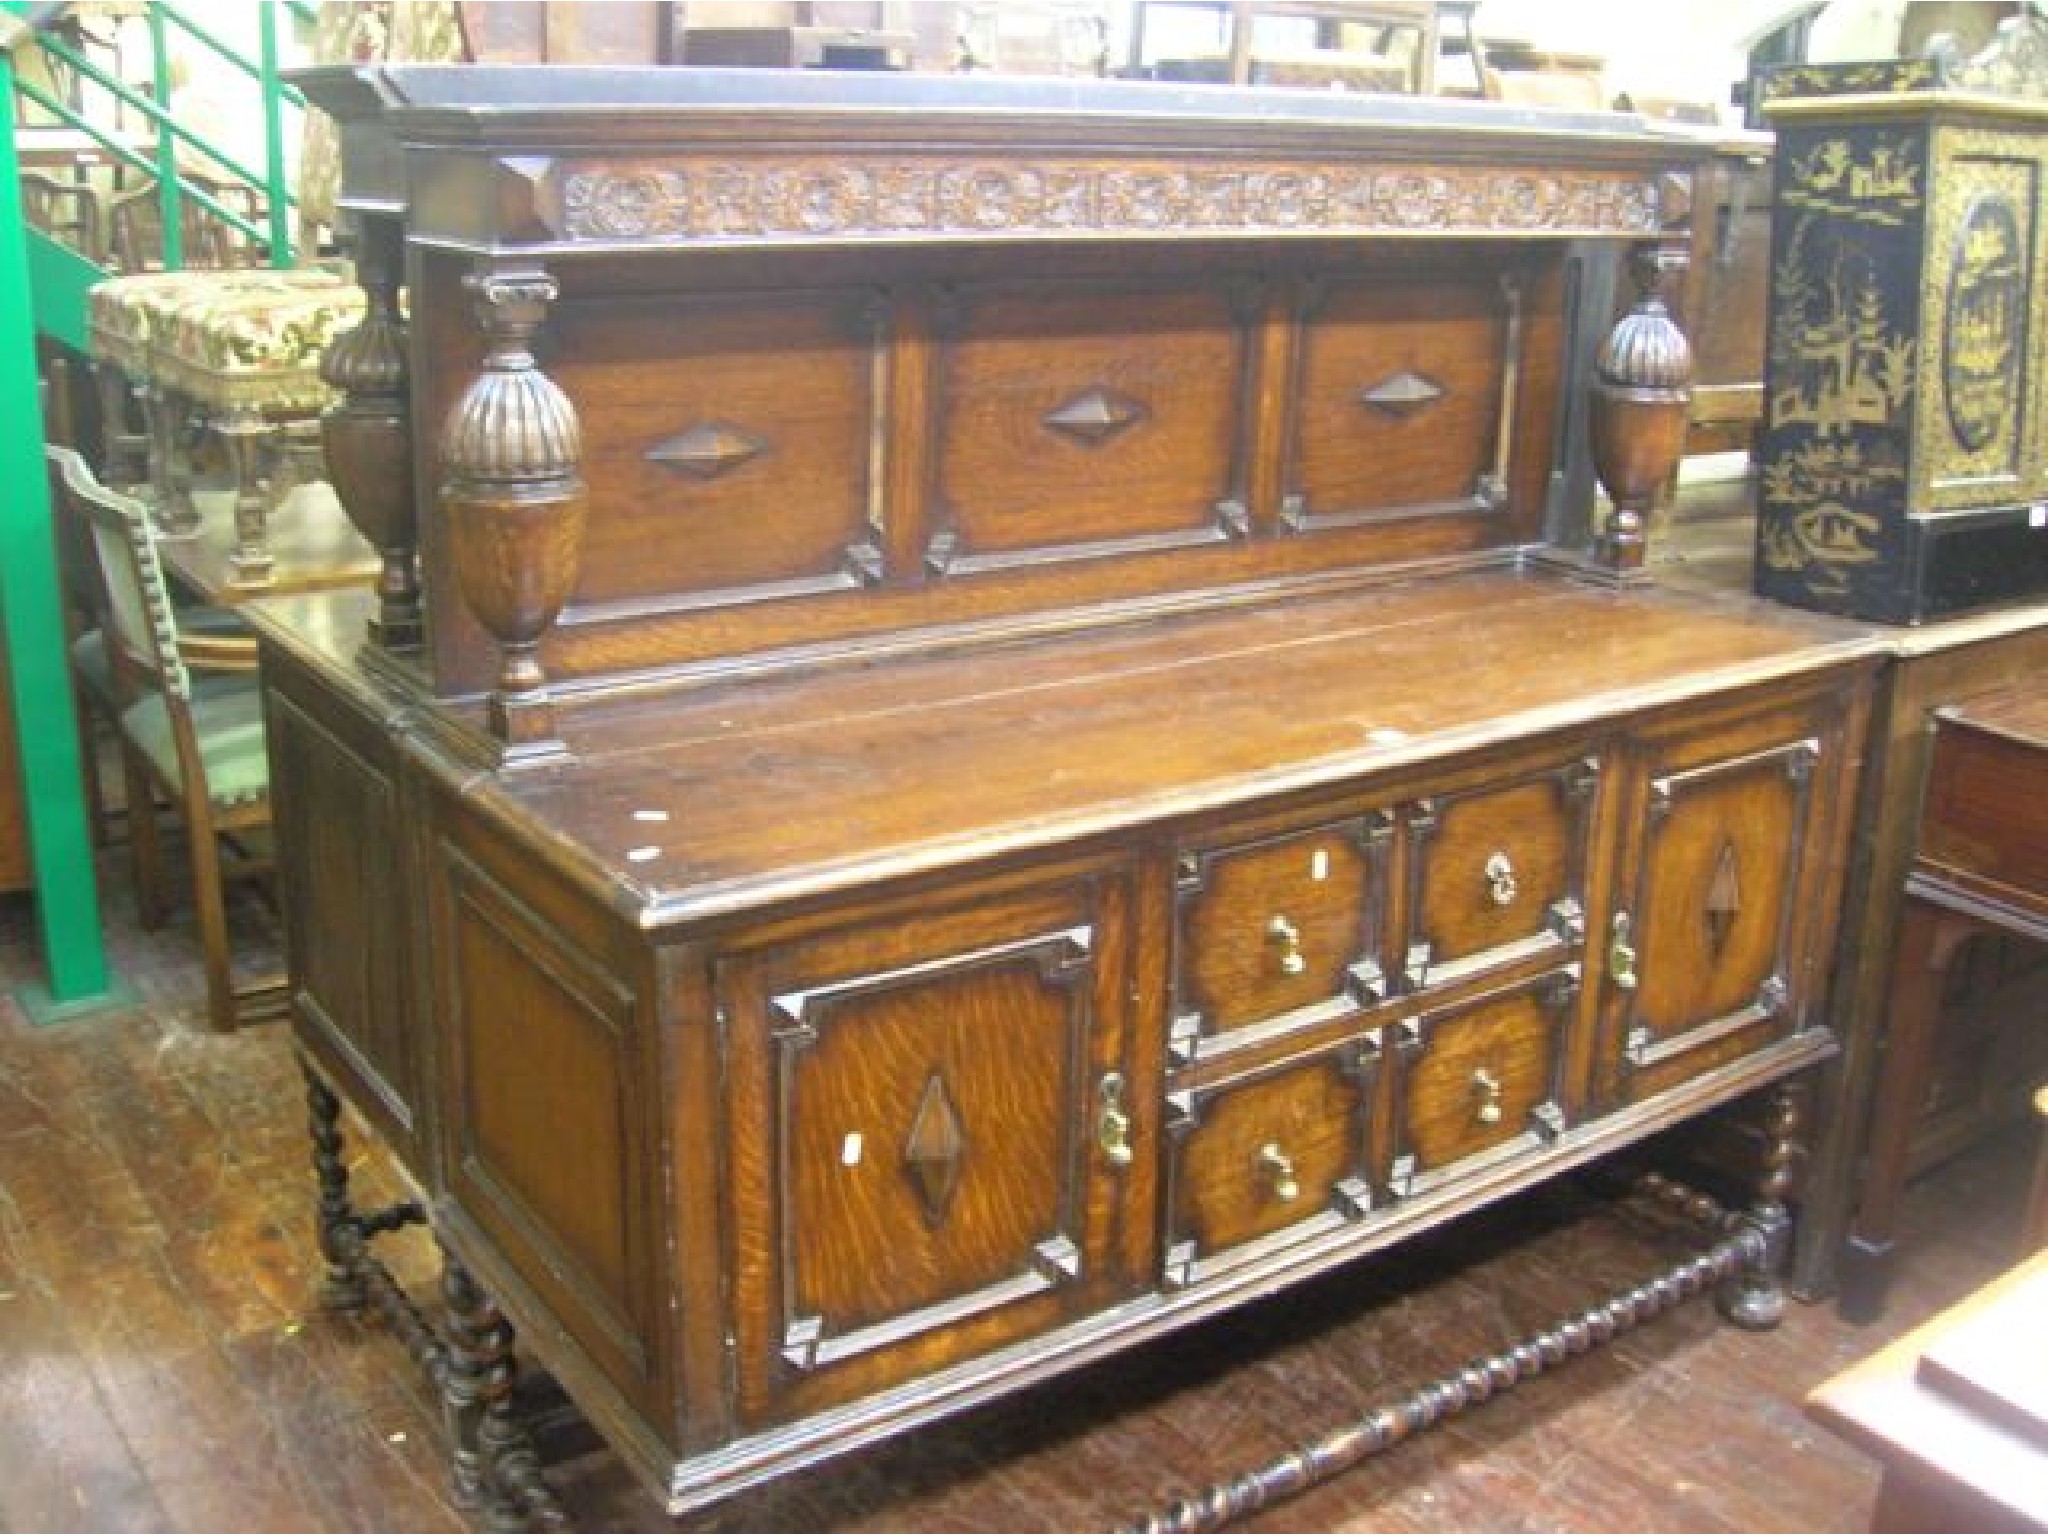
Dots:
pixel 200 742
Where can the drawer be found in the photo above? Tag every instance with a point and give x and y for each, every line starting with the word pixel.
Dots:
pixel 1269 1160
pixel 1497 874
pixel 1272 925
pixel 1480 1081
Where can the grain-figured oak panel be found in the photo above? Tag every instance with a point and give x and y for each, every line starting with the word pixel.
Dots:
pixel 342 870
pixel 1080 419
pixel 1275 921
pixel 1271 1159
pixel 727 442
pixel 1705 952
pixel 1497 872
pixel 1480 1080
pixel 932 1119
pixel 548 1110
pixel 1405 399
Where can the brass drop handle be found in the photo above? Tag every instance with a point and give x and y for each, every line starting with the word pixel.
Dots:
pixel 1621 954
pixel 1112 1124
pixel 1486 1088
pixel 1278 1168
pixel 1500 879
pixel 1287 937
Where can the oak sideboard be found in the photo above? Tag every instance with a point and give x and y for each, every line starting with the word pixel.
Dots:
pixel 979 738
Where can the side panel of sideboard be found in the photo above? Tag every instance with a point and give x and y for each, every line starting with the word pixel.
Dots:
pixel 348 868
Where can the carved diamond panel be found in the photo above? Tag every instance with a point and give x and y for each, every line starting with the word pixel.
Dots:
pixel 707 449
pixel 932 1154
pixel 1724 899
pixel 1095 416
pixel 1402 394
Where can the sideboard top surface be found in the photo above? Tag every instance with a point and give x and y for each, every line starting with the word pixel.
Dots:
pixel 684 804
pixel 442 103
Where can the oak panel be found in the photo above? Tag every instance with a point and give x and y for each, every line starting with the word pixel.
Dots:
pixel 1079 418
pixel 1485 1077
pixel 334 802
pixel 1715 917
pixel 1280 1157
pixel 1498 872
pixel 930 1180
pixel 728 440
pixel 1402 387
pixel 552 1153
pixel 1278 922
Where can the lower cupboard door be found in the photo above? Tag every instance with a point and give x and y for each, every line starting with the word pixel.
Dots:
pixel 932 1132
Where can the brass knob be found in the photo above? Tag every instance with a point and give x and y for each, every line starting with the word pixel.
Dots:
pixel 1278 1168
pixel 1287 937
pixel 1112 1124
pixel 1486 1088
pixel 1621 954
pixel 1500 879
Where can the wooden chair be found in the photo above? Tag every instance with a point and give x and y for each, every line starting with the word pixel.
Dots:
pixel 134 226
pixel 66 210
pixel 200 744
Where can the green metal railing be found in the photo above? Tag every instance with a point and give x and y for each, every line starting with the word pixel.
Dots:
pixel 174 188
pixel 55 280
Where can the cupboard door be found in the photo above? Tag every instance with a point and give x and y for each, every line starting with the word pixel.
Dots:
pixel 932 1127
pixel 1706 948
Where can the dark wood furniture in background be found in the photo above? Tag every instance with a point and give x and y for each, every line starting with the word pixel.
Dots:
pixel 1724 299
pixel 1905 451
pixel 1956 1413
pixel 1981 863
pixel 1987 1047
pixel 990 754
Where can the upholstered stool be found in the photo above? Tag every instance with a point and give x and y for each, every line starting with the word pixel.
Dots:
pixel 241 348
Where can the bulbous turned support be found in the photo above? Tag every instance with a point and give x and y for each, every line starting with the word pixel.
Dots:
pixel 514 500
pixel 368 436
pixel 1642 388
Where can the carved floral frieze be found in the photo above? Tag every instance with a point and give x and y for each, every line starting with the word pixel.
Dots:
pixel 666 202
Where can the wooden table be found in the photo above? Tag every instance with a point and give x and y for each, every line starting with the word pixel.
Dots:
pixel 1982 863
pixel 1957 1413
pixel 313 548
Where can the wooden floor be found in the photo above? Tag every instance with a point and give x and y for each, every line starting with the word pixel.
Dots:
pixel 163 1366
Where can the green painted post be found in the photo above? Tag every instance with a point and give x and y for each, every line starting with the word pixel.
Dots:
pixel 60 846
pixel 169 188
pixel 273 141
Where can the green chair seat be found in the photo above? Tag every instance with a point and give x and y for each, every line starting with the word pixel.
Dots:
pixel 95 669
pixel 228 722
